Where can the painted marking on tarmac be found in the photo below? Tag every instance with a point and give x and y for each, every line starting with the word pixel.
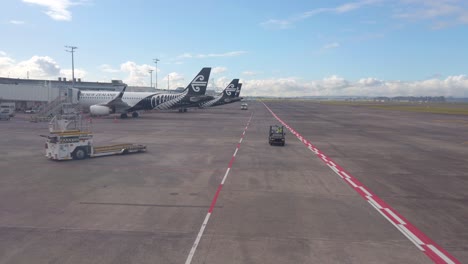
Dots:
pixel 435 252
pixel 215 199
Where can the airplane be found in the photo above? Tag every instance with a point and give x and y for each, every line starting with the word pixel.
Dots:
pixel 239 87
pixel 229 95
pixel 106 103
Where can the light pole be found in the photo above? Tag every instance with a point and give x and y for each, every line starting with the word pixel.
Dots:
pixel 71 49
pixel 151 77
pixel 156 82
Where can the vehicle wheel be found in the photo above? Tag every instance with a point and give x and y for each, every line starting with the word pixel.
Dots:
pixel 79 154
pixel 123 116
pixel 135 114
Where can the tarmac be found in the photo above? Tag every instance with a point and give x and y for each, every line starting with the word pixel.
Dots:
pixel 276 205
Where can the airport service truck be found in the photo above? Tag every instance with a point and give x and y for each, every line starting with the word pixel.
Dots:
pixel 276 135
pixel 67 144
pixel 7 108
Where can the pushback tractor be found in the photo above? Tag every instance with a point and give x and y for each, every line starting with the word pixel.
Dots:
pixel 64 143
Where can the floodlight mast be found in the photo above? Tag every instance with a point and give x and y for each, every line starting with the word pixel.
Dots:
pixel 71 49
pixel 151 77
pixel 156 72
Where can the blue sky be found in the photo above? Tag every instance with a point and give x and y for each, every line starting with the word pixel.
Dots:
pixel 362 47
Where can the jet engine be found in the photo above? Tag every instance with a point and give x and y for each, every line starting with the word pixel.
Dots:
pixel 100 110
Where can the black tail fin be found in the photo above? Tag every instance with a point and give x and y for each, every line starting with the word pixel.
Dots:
pixel 117 101
pixel 198 85
pixel 238 90
pixel 230 90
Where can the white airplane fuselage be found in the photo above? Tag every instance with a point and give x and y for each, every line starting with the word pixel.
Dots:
pixel 89 98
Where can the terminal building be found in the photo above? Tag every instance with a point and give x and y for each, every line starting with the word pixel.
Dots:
pixel 32 94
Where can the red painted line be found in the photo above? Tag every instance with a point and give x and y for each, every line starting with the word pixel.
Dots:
pixel 213 203
pixel 231 162
pixel 435 252
pixel 431 254
pixel 215 198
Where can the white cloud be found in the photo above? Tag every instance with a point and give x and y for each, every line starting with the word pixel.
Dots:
pixel 370 82
pixel 137 75
pixel 218 84
pixel 211 55
pixel 6 65
pixel 441 13
pixel 333 45
pixel 276 24
pixel 463 18
pixel 175 80
pixel 344 8
pixel 218 70
pixel 249 73
pixel 108 68
pixel 185 56
pixel 79 73
pixel 44 67
pixel 348 7
pixel 425 9
pixel 334 82
pixel 37 66
pixel 56 9
pixel 226 54
pixel 16 22
pixel 456 85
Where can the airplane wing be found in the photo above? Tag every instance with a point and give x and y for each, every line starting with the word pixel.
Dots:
pixel 117 103
pixel 201 98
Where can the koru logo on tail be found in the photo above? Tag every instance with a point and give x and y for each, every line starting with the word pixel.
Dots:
pixel 198 82
pixel 230 89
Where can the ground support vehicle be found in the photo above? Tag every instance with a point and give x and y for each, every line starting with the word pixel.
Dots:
pixel 277 135
pixel 4 116
pixel 7 108
pixel 66 144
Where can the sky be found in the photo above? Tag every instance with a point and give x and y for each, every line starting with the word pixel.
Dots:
pixel 276 48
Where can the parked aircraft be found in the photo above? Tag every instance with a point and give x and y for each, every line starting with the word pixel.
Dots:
pixel 105 103
pixel 239 87
pixel 229 95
